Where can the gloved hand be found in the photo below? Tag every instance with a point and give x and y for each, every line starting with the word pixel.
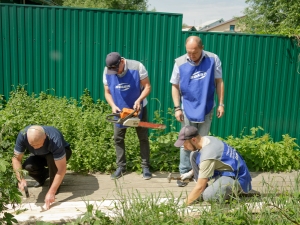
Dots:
pixel 187 175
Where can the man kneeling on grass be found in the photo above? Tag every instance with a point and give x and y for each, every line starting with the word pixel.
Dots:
pixel 213 158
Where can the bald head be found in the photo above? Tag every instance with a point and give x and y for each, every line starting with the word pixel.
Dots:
pixel 194 40
pixel 194 47
pixel 36 136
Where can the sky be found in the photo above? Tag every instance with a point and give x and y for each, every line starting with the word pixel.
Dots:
pixel 196 12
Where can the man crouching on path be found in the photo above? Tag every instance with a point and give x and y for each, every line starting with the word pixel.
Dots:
pixel 47 148
pixel 213 158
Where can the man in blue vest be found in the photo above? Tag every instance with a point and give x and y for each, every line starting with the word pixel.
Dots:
pixel 213 158
pixel 195 77
pixel 126 85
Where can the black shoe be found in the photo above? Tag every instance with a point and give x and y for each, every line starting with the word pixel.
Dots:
pixel 181 183
pixel 43 179
pixel 46 174
pixel 118 173
pixel 146 173
pixel 38 184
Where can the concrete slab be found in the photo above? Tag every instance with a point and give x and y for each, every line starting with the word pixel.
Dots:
pixel 59 211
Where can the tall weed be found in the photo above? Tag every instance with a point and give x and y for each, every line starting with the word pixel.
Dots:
pixel 164 155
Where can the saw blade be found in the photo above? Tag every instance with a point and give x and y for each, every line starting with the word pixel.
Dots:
pixel 152 125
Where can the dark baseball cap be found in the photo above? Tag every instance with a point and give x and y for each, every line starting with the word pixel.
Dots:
pixel 113 60
pixel 186 133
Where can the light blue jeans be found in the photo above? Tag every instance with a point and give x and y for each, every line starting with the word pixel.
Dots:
pixel 203 130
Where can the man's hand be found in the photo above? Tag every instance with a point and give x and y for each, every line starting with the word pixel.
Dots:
pixel 187 175
pixel 49 199
pixel 115 109
pixel 61 166
pixel 197 191
pixel 220 111
pixel 179 115
pixel 137 105
pixel 22 184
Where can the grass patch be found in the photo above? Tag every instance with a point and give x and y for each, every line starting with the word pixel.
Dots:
pixel 163 208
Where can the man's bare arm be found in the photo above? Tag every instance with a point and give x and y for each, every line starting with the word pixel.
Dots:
pixel 61 171
pixel 110 100
pixel 176 100
pixel 220 94
pixel 146 91
pixel 197 191
pixel 17 166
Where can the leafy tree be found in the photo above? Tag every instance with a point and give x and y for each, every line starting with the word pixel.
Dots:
pixel 272 17
pixel 152 10
pixel 140 5
pixel 57 2
pixel 184 25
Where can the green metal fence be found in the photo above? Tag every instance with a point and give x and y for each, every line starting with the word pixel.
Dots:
pixel 62 51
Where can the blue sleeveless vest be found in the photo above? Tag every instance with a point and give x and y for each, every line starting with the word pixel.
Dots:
pixel 125 90
pixel 221 151
pixel 197 86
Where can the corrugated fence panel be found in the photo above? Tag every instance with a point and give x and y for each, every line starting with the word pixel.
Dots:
pixel 62 51
pixel 261 83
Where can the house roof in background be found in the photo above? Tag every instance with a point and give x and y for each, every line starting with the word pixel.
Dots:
pixel 220 24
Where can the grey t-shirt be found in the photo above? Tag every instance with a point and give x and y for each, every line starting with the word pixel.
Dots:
pixel 207 167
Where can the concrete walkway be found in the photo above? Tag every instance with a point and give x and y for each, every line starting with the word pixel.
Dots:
pixel 98 189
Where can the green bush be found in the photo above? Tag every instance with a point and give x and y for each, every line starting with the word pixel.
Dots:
pixel 2 102
pixel 9 193
pixel 263 154
pixel 84 125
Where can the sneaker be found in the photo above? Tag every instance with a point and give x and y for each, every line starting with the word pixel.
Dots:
pixel 38 184
pixel 41 182
pixel 118 173
pixel 146 173
pixel 181 183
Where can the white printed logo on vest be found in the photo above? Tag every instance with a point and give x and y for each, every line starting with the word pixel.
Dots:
pixel 198 75
pixel 123 86
pixel 232 153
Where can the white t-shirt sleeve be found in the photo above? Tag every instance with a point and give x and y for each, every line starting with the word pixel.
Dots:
pixel 143 72
pixel 104 76
pixel 218 68
pixel 175 75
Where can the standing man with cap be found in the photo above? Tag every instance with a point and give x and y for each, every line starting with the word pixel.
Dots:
pixel 214 159
pixel 195 77
pixel 47 148
pixel 126 85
